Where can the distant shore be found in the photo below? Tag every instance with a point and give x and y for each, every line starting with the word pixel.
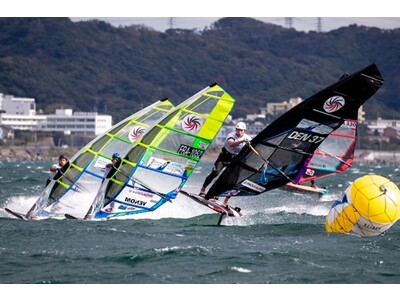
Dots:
pixel 30 153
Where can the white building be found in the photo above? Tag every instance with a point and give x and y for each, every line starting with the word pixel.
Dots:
pixel 82 123
pixel 278 108
pixel 22 122
pixel 380 124
pixel 20 113
pixel 17 106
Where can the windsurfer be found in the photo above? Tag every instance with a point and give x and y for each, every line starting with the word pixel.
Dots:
pixel 113 165
pixel 234 142
pixel 62 160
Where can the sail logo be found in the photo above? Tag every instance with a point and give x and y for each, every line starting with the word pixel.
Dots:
pixel 135 133
pixel 305 137
pixel 350 124
pixel 334 104
pixel 309 172
pixel 253 186
pixel 135 201
pixel 190 151
pixel 192 123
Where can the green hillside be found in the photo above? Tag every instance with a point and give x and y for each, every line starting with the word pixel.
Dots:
pixel 93 66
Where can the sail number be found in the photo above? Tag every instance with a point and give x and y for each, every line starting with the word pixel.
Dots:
pixel 189 151
pixel 306 137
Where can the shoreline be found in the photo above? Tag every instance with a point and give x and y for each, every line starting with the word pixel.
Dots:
pixel 32 153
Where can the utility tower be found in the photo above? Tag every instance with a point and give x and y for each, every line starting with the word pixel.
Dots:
pixel 319 24
pixel 171 23
pixel 288 22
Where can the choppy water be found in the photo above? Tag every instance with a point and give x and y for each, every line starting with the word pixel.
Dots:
pixel 281 239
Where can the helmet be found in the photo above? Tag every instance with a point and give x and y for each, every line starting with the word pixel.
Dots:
pixel 116 155
pixel 240 125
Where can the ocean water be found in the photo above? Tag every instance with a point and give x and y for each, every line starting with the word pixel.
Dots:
pixel 280 239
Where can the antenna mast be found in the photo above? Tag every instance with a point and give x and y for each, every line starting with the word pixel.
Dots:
pixel 171 23
pixel 289 22
pixel 319 24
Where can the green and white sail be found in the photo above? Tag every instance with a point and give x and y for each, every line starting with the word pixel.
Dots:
pixel 72 191
pixel 160 163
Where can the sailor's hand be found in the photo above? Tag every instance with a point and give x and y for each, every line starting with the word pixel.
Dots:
pixel 246 139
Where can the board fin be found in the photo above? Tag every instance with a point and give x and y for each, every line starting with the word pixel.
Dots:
pixel 70 217
pixel 214 205
pixel 15 214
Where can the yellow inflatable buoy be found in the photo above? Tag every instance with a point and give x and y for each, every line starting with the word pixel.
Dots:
pixel 370 206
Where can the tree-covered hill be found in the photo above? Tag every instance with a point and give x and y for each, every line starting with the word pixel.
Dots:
pixel 92 65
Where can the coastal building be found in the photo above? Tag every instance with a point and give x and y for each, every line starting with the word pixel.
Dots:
pixel 82 123
pixel 16 105
pixel 379 125
pixel 278 108
pixel 20 114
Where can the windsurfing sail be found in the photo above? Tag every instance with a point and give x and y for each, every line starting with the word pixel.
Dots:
pixel 73 189
pixel 277 154
pixel 157 167
pixel 333 156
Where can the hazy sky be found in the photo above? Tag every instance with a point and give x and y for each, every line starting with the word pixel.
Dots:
pixel 299 23
pixel 199 14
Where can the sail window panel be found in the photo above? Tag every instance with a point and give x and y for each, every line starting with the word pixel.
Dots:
pixel 150 135
pixel 124 132
pixel 120 176
pixel 324 163
pixel 287 161
pixel 136 153
pixel 345 130
pixel 182 145
pixel 256 161
pixel 277 140
pixel 76 201
pixel 83 159
pixel 312 126
pixel 166 105
pixel 168 163
pixel 97 165
pixel 157 181
pixel 56 192
pixel 71 175
pixel 203 105
pixel 116 145
pixel 170 117
pixel 245 173
pixel 216 93
pixel 122 173
pixel 134 129
pixel 90 183
pixel 336 146
pixel 117 129
pixel 99 144
pixel 151 117
pixel 112 190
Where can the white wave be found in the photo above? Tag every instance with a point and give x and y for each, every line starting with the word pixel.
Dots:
pixel 241 270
